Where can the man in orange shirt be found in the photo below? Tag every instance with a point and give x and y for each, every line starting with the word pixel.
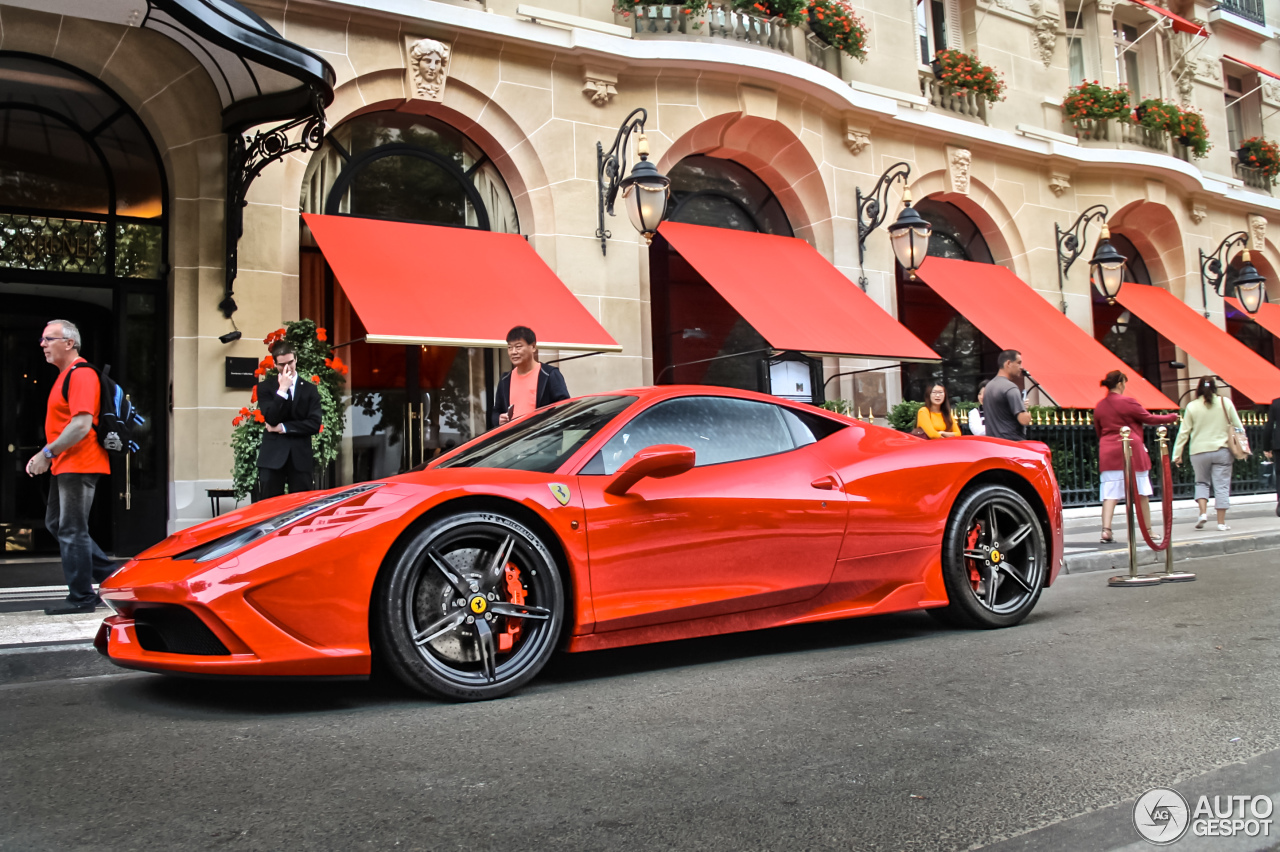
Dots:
pixel 77 460
pixel 530 385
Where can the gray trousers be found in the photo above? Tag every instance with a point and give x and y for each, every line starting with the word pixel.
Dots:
pixel 1214 468
pixel 66 516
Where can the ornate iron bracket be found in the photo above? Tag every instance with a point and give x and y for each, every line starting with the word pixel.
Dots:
pixel 246 158
pixel 873 208
pixel 1070 245
pixel 609 169
pixel 1213 271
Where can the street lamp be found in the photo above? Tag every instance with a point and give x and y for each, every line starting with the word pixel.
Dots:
pixel 909 235
pixel 1107 265
pixel 1248 285
pixel 644 191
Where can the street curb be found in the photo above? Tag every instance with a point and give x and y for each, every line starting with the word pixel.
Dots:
pixel 1118 560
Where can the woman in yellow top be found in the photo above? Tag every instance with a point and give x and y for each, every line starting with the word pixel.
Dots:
pixel 935 415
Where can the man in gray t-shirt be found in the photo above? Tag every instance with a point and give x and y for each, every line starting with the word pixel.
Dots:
pixel 1002 405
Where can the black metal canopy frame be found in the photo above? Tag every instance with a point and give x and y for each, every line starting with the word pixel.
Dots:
pixel 872 209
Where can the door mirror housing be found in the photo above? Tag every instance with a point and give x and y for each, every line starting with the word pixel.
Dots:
pixel 657 462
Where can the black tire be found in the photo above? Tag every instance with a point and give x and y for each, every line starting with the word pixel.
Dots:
pixel 992 580
pixel 445 600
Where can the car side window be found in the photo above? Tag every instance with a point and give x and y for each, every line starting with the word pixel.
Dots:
pixel 719 429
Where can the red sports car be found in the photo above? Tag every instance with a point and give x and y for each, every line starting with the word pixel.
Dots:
pixel 617 519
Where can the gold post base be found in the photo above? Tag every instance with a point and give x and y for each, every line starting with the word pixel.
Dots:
pixel 1135 580
pixel 1175 576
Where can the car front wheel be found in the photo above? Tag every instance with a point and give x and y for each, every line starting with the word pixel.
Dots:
pixel 469 608
pixel 994 559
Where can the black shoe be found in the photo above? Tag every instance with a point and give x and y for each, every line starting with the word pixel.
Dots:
pixel 69 608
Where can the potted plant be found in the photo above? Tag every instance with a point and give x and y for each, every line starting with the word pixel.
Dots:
pixel 834 22
pixel 316 363
pixel 1258 153
pixel 1158 114
pixel 1092 101
pixel 792 12
pixel 962 73
pixel 1192 133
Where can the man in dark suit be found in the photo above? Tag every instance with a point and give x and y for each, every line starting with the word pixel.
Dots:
pixel 529 385
pixel 293 414
pixel 1271 441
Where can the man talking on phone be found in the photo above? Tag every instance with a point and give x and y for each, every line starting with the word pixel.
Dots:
pixel 530 385
pixel 293 414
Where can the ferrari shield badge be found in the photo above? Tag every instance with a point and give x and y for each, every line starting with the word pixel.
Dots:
pixel 560 492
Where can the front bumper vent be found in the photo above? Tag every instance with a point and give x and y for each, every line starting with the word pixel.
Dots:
pixel 172 629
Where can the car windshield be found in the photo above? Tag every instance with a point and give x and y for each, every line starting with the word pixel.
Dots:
pixel 545 439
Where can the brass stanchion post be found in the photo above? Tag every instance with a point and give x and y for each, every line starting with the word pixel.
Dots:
pixel 1133 578
pixel 1169 575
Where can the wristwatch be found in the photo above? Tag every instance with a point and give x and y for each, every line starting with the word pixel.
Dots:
pixel 48 453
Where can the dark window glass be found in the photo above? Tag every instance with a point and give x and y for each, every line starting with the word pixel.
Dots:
pixel 808 428
pixel 408 187
pixel 47 165
pixel 724 194
pixel 545 439
pixel 718 429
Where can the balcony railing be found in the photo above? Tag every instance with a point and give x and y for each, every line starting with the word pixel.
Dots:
pixel 968 104
pixel 1111 133
pixel 1253 178
pixel 721 22
pixel 1250 10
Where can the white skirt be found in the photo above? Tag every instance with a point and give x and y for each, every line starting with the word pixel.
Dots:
pixel 1113 484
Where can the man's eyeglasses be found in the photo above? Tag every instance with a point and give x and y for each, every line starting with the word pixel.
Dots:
pixel 44 340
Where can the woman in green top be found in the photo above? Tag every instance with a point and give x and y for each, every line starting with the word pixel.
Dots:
pixel 1206 425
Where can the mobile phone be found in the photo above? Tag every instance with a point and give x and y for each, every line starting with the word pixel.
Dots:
pixel 511 411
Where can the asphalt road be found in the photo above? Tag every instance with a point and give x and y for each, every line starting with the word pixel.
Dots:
pixel 886 733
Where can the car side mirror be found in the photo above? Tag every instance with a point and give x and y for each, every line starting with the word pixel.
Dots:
pixel 657 462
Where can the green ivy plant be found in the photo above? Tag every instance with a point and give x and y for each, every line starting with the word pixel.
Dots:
pixel 317 364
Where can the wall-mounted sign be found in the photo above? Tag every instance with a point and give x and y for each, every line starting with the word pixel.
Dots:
pixel 240 372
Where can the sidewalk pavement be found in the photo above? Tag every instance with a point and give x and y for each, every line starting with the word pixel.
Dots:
pixel 1253 521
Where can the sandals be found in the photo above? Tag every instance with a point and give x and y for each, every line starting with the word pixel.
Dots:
pixel 1107 538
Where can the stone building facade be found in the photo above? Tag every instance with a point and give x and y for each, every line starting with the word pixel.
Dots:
pixel 527 93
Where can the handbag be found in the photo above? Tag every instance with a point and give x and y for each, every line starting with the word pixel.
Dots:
pixel 919 433
pixel 1237 440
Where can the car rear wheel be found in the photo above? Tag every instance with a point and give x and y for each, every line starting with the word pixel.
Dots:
pixel 469 608
pixel 994 559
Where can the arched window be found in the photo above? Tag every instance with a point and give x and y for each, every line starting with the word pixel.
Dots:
pixel 81 187
pixel 724 194
pixel 1124 333
pixel 395 165
pixel 968 356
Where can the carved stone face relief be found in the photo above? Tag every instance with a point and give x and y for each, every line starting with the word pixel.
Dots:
pixel 958 161
pixel 1257 232
pixel 428 68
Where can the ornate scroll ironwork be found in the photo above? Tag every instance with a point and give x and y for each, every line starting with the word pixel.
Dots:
pixel 51 244
pixel 873 208
pixel 246 158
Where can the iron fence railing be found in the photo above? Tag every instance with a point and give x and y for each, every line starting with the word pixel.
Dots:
pixel 1074 444
pixel 1251 10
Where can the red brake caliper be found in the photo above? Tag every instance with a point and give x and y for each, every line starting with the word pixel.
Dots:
pixel 516 595
pixel 972 539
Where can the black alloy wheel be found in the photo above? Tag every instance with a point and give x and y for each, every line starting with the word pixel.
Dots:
pixel 469 608
pixel 994 559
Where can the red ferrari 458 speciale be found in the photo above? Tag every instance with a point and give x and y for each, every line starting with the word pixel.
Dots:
pixel 616 519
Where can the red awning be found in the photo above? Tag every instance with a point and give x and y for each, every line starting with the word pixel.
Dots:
pixel 1180 23
pixel 1257 68
pixel 792 295
pixel 1227 357
pixel 1059 354
pixel 438 286
pixel 1268 315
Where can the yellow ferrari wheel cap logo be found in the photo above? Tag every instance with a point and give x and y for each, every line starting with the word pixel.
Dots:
pixel 560 492
pixel 479 604
pixel 995 556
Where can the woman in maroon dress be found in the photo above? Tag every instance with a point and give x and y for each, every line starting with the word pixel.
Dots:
pixel 1114 411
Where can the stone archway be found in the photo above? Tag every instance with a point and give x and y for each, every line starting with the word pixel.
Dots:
pixel 1155 233
pixel 987 211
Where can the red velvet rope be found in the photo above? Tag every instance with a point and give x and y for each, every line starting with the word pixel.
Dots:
pixel 1166 501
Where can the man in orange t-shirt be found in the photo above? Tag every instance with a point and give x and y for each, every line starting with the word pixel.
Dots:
pixel 77 460
pixel 530 385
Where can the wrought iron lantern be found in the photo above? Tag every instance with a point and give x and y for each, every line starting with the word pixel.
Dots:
pixel 1249 284
pixel 1107 266
pixel 909 236
pixel 644 192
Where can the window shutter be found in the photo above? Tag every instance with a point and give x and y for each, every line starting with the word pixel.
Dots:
pixel 955 36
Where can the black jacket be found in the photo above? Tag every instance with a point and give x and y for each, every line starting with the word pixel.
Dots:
pixel 1271 432
pixel 301 419
pixel 551 388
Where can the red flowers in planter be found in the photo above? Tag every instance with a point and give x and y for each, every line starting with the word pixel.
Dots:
pixel 962 72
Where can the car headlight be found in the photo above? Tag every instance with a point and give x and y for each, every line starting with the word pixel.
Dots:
pixel 231 542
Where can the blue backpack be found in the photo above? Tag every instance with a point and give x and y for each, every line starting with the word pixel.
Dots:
pixel 117 418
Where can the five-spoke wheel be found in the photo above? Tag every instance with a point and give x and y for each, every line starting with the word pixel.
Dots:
pixel 993 559
pixel 469 607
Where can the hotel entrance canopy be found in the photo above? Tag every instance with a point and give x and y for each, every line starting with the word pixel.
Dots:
pixel 792 296
pixel 1228 358
pixel 1057 353
pixel 431 285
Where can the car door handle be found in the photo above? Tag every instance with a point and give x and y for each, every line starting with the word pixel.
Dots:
pixel 824 483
